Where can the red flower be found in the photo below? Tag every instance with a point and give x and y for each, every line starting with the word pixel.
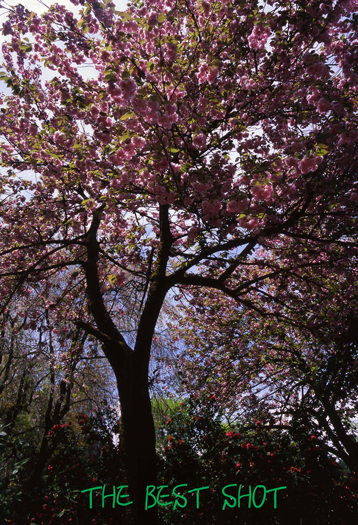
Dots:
pixel 170 438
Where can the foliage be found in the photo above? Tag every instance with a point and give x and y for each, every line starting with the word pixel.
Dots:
pixel 285 359
pixel 200 451
pixel 83 455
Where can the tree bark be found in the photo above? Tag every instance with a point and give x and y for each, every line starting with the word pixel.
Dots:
pixel 131 368
pixel 138 439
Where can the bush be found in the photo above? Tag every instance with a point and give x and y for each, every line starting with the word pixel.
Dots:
pixel 200 452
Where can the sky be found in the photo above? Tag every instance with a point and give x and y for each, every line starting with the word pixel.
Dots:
pixel 39 6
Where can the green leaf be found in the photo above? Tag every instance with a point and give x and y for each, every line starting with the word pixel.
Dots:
pixel 26 47
pixel 110 77
pixel 321 150
pixel 124 15
pixel 127 115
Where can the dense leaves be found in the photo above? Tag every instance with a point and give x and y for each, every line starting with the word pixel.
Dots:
pixel 202 452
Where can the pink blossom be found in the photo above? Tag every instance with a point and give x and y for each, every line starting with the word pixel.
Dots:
pixel 202 74
pixel 314 95
pixel 152 112
pixel 188 201
pixel 348 137
pixel 308 164
pixel 211 76
pixel 164 121
pixel 261 193
pixel 258 37
pixel 206 7
pixel 171 52
pixel 128 87
pixel 120 278
pixel 199 141
pixel 138 142
pixel 237 206
pixel 212 208
pixel 318 70
pixel 152 19
pixel 323 105
pixel 142 11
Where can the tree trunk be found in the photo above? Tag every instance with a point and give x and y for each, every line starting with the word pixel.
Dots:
pixel 131 368
pixel 138 439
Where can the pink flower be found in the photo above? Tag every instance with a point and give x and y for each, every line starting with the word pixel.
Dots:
pixel 120 279
pixel 138 142
pixel 152 112
pixel 206 7
pixel 348 137
pixel 211 76
pixel 212 208
pixel 242 205
pixel 323 105
pixel 128 87
pixel 199 140
pixel 164 121
pixel 308 164
pixel 203 70
pixel 152 19
pixel 171 52
pixel 258 38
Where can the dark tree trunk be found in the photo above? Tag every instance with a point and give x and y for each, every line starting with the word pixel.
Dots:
pixel 131 367
pixel 138 439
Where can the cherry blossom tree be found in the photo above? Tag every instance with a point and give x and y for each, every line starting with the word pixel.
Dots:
pixel 291 356
pixel 198 131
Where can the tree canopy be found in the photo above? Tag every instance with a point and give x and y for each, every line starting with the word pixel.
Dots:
pixel 200 132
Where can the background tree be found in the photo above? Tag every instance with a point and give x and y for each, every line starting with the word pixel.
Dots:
pixel 292 358
pixel 134 180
